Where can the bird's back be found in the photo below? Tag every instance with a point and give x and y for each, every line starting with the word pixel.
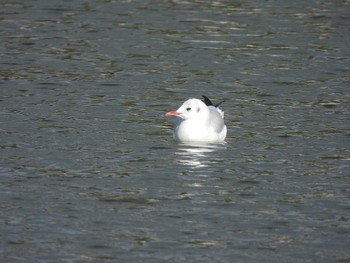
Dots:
pixel 216 119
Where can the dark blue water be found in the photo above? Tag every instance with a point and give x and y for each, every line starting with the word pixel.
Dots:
pixel 89 170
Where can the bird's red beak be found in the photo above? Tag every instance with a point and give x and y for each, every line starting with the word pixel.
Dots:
pixel 172 113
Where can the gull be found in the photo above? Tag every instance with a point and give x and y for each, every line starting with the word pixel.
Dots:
pixel 199 121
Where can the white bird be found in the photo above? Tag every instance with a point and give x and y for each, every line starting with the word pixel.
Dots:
pixel 199 121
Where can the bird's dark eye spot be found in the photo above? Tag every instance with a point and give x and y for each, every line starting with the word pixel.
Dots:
pixel 188 109
pixel 198 110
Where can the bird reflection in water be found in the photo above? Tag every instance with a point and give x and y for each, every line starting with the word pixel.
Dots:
pixel 197 155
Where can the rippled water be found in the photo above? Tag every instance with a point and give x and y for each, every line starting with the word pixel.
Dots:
pixel 89 170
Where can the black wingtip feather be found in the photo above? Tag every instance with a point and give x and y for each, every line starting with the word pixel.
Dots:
pixel 208 102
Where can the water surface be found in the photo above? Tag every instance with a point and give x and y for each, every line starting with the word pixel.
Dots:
pixel 89 170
